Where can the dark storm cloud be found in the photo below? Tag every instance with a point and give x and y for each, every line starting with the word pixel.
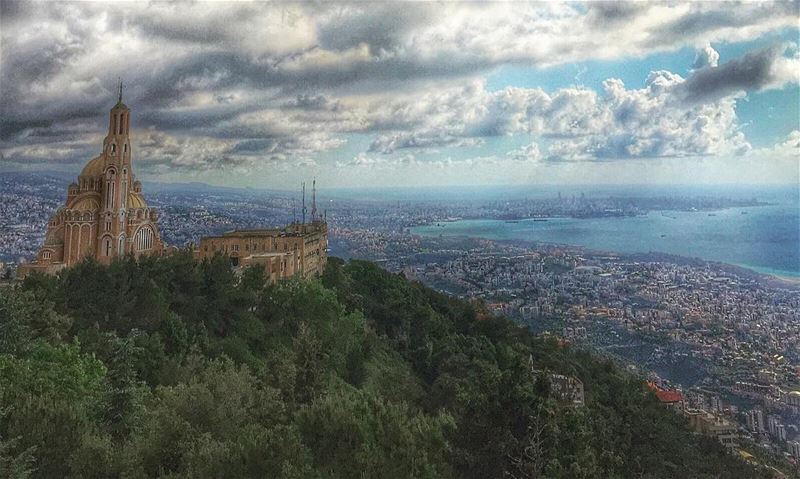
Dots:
pixel 251 146
pixel 312 102
pixel 167 119
pixel 11 128
pixel 183 32
pixel 753 71
pixel 603 13
pixel 13 10
pixel 702 20
pixel 216 71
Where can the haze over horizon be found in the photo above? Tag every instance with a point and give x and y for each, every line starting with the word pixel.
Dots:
pixel 430 94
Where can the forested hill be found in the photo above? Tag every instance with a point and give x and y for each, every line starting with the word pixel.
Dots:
pixel 171 368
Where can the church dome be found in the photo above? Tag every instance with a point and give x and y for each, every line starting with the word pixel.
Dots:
pixel 86 204
pixel 135 200
pixel 94 167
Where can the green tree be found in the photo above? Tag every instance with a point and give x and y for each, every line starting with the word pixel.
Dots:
pixel 353 433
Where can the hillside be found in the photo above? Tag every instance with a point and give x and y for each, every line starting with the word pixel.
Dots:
pixel 171 368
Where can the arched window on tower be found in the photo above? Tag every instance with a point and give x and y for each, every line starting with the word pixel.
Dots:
pixel 113 148
pixel 107 246
pixel 121 246
pixel 110 189
pixel 125 148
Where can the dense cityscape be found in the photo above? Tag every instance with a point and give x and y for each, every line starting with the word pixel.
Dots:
pixel 719 343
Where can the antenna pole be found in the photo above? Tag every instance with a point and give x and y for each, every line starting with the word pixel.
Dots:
pixel 314 200
pixel 304 202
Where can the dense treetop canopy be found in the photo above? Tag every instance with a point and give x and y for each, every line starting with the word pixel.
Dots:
pixel 174 368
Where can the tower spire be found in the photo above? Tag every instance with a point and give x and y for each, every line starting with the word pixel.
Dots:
pixel 119 99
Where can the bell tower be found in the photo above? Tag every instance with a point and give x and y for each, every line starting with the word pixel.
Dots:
pixel 116 183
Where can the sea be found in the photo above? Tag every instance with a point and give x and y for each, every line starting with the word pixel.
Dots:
pixel 762 238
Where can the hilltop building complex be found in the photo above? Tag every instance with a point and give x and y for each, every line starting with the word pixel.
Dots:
pixel 299 249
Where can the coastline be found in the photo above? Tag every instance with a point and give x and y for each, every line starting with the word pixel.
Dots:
pixel 752 245
pixel 790 280
pixel 771 279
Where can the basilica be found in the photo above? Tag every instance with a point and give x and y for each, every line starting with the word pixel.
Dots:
pixel 105 214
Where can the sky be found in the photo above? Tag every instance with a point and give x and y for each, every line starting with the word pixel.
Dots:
pixel 268 94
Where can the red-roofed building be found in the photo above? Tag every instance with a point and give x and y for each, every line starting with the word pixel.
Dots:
pixel 668 397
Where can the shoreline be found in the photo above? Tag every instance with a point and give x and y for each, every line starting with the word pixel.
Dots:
pixel 792 280
pixel 648 243
pixel 771 279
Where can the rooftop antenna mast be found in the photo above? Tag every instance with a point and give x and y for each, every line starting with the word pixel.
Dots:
pixel 304 202
pixel 120 89
pixel 314 200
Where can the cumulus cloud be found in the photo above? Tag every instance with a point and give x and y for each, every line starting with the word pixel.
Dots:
pixel 390 143
pixel 706 57
pixel 578 123
pixel 527 153
pixel 792 142
pixel 789 147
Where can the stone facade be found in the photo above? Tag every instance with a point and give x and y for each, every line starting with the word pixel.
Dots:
pixel 704 422
pixel 105 214
pixel 298 249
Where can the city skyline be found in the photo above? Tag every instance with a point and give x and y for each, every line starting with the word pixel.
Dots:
pixel 268 94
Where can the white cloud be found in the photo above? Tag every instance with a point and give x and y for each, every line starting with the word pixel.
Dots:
pixel 789 147
pixel 527 153
pixel 706 57
pixel 579 123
